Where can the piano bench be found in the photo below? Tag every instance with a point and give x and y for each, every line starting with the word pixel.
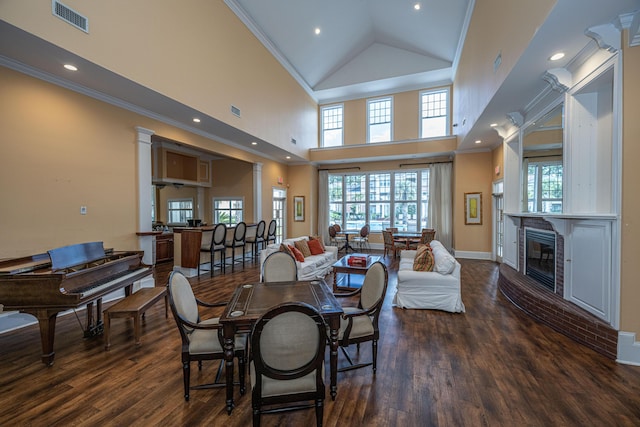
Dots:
pixel 134 306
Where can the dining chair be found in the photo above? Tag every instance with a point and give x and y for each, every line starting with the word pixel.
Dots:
pixel 271 232
pixel 287 360
pixel 428 234
pixel 201 339
pixel 334 239
pixel 257 241
pixel 218 245
pixel 279 267
pixel 362 239
pixel 391 244
pixel 237 241
pixel 360 324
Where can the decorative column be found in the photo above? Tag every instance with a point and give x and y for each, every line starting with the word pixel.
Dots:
pixel 146 242
pixel 257 192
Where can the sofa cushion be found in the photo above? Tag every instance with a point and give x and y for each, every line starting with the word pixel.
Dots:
pixel 424 259
pixel 444 262
pixel 315 247
pixel 296 253
pixel 303 247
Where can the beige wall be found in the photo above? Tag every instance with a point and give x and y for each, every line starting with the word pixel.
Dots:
pixel 199 54
pixel 63 150
pixel 630 270
pixel 498 162
pixel 497 26
pixel 303 181
pixel 472 174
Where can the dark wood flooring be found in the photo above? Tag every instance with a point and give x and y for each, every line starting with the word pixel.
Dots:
pixel 492 366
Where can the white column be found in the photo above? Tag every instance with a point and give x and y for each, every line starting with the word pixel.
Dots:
pixel 145 243
pixel 257 192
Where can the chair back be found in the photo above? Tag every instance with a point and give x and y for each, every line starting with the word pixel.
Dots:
pixel 374 287
pixel 219 234
pixel 392 229
pixel 239 233
pixel 332 231
pixel 279 267
pixel 337 227
pixel 182 301
pixel 260 230
pixel 271 231
pixel 207 240
pixel 428 234
pixel 388 238
pixel 288 343
pixel 364 231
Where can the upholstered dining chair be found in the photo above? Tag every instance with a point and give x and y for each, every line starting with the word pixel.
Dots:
pixel 271 232
pixel 218 245
pixel 428 234
pixel 334 239
pixel 287 360
pixel 257 241
pixel 390 244
pixel 279 267
pixel 237 241
pixel 201 339
pixel 360 324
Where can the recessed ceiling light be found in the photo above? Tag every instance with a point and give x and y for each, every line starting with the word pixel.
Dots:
pixel 288 157
pixel 416 6
pixel 317 30
pixel 196 120
pixel 254 143
pixel 493 125
pixel 556 56
pixel 478 141
pixel 70 67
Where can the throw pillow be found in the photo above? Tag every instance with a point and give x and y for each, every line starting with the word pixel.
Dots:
pixel 424 259
pixel 296 254
pixel 315 247
pixel 319 239
pixel 285 248
pixel 303 247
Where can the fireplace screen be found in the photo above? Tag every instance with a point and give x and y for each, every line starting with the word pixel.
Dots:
pixel 541 257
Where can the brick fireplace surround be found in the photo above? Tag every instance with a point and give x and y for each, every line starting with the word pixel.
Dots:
pixel 550 307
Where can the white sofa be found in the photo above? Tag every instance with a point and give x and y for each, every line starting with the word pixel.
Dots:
pixel 438 289
pixel 313 267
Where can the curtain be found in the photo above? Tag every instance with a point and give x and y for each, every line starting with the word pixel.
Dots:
pixel 441 203
pixel 323 205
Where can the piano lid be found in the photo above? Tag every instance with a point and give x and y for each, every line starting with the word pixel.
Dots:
pixel 69 256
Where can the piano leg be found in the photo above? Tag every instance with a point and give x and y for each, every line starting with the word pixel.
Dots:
pixel 47 322
pixel 94 327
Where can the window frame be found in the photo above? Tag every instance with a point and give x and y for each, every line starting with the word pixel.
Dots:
pixel 180 200
pixel 368 123
pixel 214 210
pixel 538 200
pixel 322 124
pixel 427 92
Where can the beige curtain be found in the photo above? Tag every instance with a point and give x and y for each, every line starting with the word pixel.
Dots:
pixel 441 203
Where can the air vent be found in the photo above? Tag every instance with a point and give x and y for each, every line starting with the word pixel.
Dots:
pixel 70 16
pixel 235 111
pixel 293 141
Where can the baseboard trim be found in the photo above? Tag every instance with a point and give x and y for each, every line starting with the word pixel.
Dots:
pixel 628 349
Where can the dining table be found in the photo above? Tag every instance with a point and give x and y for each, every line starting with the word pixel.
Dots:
pixel 346 234
pixel 407 237
pixel 250 301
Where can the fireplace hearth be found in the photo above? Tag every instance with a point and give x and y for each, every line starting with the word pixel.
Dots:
pixel 540 257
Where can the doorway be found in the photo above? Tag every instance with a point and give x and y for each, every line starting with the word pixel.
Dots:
pixel 279 212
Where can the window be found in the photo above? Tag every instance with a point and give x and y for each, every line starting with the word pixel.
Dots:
pixel 228 211
pixel 544 187
pixel 434 113
pixel 179 210
pixel 380 199
pixel 379 115
pixel 332 135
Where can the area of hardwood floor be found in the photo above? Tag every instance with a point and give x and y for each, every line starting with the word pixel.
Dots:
pixel 490 366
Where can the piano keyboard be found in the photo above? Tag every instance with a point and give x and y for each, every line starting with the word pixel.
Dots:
pixel 113 282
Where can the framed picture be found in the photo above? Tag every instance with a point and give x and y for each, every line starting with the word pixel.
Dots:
pixel 298 208
pixel 473 208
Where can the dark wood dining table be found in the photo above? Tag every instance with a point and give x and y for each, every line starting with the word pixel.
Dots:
pixel 252 300
pixel 408 237
pixel 346 234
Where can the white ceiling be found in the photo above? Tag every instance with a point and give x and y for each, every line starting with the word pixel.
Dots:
pixel 365 47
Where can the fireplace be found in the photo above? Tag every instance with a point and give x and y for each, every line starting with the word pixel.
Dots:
pixel 540 256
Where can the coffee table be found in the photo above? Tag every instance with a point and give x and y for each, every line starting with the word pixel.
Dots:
pixel 342 266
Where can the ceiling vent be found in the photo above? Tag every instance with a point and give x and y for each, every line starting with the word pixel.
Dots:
pixel 70 16
pixel 293 141
pixel 235 111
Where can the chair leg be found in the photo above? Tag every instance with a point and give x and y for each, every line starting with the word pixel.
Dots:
pixel 374 353
pixel 319 412
pixel 186 372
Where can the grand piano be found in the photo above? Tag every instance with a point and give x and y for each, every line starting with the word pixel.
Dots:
pixel 66 278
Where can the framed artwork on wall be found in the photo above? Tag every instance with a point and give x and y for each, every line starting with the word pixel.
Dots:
pixel 473 208
pixel 298 208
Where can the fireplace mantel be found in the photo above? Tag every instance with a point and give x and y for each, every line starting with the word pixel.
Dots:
pixel 560 221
